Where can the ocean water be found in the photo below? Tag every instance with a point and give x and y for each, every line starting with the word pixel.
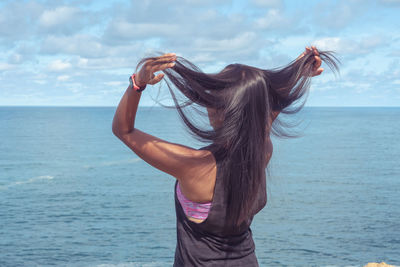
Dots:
pixel 72 194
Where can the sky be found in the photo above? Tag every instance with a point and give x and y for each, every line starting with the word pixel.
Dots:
pixel 81 53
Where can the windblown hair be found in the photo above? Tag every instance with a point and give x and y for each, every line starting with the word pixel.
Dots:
pixel 247 97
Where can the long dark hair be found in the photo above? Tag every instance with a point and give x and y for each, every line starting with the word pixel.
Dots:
pixel 246 97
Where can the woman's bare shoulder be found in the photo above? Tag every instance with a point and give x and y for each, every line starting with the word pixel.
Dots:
pixel 198 183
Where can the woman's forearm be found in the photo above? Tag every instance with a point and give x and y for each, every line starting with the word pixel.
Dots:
pixel 124 118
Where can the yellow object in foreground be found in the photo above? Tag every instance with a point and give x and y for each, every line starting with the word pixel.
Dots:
pixel 382 264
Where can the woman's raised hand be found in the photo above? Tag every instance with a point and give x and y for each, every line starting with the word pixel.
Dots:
pixel 317 60
pixel 146 73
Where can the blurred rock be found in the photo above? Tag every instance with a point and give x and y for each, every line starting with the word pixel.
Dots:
pixel 382 264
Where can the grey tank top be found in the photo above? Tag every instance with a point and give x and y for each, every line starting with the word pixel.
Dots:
pixel 209 243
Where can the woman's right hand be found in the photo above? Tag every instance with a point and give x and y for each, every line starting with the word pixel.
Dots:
pixel 146 73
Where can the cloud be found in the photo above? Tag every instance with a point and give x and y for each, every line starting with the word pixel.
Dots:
pixel 397 82
pixel 59 16
pixel 338 15
pixel 185 32
pixel 393 3
pixel 239 42
pixel 6 66
pixel 22 53
pixel 58 65
pixel 69 42
pixel 268 3
pixel 132 31
pixel 115 83
pixel 15 58
pixel 13 26
pixel 24 21
pixel 65 20
pixel 351 46
pixel 79 44
pixel 181 29
pixel 63 78
pixel 394 53
pixel 273 19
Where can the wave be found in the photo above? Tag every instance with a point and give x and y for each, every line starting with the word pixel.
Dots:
pixel 119 162
pixel 31 180
pixel 113 163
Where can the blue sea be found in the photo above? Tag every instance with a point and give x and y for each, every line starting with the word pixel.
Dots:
pixel 72 194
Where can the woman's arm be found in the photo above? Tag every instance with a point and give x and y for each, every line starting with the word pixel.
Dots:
pixel 124 118
pixel 180 161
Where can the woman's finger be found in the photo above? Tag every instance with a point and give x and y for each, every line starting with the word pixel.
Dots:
pixel 156 79
pixel 318 72
pixel 156 65
pixel 168 55
pixel 316 53
pixel 317 62
pixel 161 64
pixel 164 66
pixel 308 50
pixel 164 59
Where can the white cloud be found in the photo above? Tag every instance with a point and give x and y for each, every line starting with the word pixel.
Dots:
pixel 15 58
pixel 58 65
pixel 82 62
pixel 115 83
pixel 41 82
pixel 239 42
pixel 63 78
pixel 64 20
pixel 79 44
pixel 338 14
pixel 132 31
pixel 273 19
pixel 268 3
pixel 5 66
pixel 17 19
pixel 354 46
pixel 330 43
pixel 106 63
pixel 22 53
pixel 74 41
pixel 390 2
pixel 58 16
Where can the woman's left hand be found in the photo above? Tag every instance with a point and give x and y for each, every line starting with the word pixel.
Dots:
pixel 317 60
pixel 146 74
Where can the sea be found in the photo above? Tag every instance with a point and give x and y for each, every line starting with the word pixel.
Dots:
pixel 72 194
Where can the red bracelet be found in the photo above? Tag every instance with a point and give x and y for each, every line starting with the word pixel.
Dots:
pixel 134 85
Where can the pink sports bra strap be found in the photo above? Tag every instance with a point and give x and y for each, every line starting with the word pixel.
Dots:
pixel 193 209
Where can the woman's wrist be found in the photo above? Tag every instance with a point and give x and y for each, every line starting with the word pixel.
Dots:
pixel 134 85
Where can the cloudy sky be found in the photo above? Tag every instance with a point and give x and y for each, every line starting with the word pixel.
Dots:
pixel 81 53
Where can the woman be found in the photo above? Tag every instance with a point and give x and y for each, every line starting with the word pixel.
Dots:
pixel 219 188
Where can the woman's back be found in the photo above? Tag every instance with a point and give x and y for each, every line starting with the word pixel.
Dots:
pixel 211 243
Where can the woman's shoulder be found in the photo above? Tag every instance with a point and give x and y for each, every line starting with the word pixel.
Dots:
pixel 198 183
pixel 218 153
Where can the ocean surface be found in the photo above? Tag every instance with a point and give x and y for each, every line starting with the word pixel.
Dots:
pixel 72 194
